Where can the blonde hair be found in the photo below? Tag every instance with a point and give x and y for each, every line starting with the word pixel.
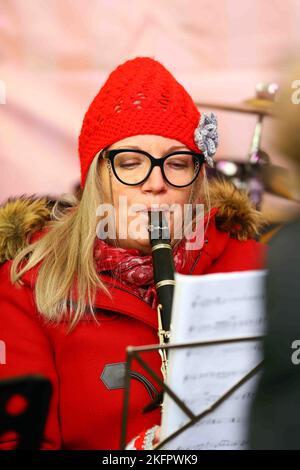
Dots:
pixel 66 253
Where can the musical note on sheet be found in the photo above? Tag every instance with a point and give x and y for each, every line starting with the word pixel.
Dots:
pixel 212 308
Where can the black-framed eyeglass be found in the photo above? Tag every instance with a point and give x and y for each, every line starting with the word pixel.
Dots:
pixel 132 167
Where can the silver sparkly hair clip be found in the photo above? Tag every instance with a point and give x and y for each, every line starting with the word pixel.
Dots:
pixel 206 136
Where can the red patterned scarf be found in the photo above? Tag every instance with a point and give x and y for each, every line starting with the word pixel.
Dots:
pixel 133 268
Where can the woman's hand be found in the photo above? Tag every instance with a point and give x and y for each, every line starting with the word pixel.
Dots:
pixel 146 440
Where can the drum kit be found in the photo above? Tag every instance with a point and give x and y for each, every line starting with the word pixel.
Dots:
pixel 257 174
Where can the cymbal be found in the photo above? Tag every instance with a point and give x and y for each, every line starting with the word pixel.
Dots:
pixel 261 104
pixel 277 210
pixel 256 106
pixel 275 179
pixel 269 232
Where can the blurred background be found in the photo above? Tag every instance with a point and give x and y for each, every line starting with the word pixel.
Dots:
pixel 55 56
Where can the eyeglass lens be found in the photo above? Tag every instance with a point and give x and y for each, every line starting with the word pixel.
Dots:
pixel 134 167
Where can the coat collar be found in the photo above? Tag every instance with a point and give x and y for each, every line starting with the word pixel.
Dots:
pixel 126 302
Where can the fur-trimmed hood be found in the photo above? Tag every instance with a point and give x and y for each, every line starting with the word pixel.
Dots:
pixel 24 215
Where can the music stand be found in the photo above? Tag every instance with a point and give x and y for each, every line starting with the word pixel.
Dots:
pixel 134 353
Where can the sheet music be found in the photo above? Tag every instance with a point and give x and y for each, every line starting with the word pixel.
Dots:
pixel 214 307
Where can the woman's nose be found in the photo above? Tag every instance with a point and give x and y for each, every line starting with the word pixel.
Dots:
pixel 155 182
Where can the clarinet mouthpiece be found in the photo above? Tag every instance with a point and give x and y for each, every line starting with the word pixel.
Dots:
pixel 158 227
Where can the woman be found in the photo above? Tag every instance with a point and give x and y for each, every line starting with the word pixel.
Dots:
pixel 84 298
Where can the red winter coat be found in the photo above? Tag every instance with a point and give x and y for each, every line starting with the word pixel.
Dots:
pixel 86 366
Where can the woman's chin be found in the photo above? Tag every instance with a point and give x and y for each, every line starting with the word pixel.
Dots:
pixel 143 244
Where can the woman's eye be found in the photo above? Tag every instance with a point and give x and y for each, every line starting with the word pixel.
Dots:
pixel 129 164
pixel 177 165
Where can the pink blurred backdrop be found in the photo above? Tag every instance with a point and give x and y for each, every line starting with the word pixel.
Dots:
pixel 55 55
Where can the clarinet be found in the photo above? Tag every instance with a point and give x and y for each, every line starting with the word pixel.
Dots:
pixel 163 274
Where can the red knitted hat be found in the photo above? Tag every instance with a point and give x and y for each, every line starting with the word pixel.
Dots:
pixel 142 97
